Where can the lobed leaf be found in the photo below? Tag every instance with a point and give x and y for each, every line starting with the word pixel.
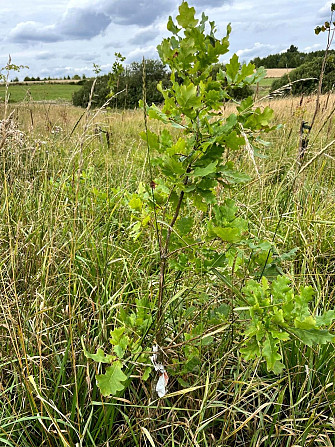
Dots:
pixel 110 382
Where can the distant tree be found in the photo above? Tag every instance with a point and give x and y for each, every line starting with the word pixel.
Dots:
pixel 292 49
pixel 284 62
pixel 101 90
pixel 129 83
pixel 76 77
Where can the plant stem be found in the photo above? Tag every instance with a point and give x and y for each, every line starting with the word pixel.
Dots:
pixel 164 256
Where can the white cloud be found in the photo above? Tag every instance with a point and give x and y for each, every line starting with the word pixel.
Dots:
pixel 314 47
pixel 324 12
pixel 259 49
pixel 33 31
pixel 149 52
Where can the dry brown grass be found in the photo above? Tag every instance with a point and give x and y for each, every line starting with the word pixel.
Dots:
pixel 277 72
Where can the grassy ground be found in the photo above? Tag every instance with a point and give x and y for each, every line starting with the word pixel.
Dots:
pixel 40 92
pixel 69 262
pixel 263 87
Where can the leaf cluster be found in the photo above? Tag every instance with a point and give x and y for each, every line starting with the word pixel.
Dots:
pixel 278 314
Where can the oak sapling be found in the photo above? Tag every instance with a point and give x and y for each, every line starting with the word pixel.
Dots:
pixel 193 161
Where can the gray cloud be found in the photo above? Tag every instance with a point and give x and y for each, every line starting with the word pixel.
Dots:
pixel 88 21
pixel 76 23
pixel 116 45
pixel 142 37
pixel 148 52
pixel 138 12
pixel 45 55
pixel 209 3
pixel 79 23
pixel 86 57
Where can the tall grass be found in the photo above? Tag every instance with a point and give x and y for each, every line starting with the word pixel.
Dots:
pixel 69 262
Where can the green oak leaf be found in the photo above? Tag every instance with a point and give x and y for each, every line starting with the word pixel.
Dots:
pixel 151 138
pixel 110 382
pixel 172 27
pixel 283 336
pixel 246 104
pixel 313 336
pixel 187 96
pixel 271 354
pixel 233 141
pixel 155 113
pixel 308 323
pixel 146 373
pixel 232 176
pixel 251 350
pixel 228 234
pixel 203 172
pixel 186 16
pixel 326 319
pixel 135 203
pixel 278 367
pixel 177 148
pixel 184 225
pixel 232 69
pixel 100 356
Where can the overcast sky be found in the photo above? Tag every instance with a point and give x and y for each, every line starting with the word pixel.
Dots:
pixel 65 37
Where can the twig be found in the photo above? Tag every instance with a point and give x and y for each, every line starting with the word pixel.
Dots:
pixel 316 156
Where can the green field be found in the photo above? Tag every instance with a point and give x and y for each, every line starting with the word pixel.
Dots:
pixel 39 92
pixel 267 82
pixel 64 92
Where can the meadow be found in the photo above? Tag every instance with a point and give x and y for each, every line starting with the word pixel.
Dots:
pixel 35 91
pixel 70 261
pixel 52 91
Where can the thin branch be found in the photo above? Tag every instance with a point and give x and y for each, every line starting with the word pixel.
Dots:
pixel 316 156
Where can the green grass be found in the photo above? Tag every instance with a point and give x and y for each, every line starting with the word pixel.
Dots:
pixel 40 92
pixel 267 82
pixel 263 87
pixel 69 263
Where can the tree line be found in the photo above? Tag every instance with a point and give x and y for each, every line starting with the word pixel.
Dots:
pixel 124 86
pixel 292 58
pixel 75 77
